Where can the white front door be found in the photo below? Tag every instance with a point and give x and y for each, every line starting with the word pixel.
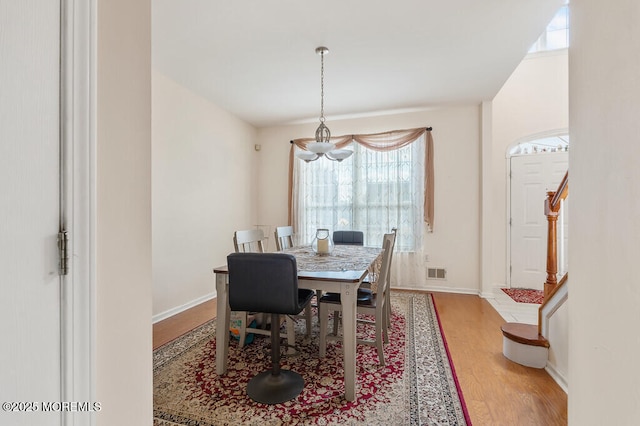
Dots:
pixel 531 177
pixel 30 325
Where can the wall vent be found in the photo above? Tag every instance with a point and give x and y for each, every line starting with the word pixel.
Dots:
pixel 436 274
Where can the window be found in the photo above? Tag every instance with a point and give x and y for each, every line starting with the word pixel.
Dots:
pixel 556 35
pixel 372 191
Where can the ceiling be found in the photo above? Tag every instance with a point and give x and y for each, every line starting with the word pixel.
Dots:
pixel 257 60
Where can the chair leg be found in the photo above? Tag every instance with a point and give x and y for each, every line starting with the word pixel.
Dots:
pixel 323 313
pixel 385 322
pixel 308 314
pixel 291 334
pixel 336 322
pixel 379 339
pixel 242 330
pixel 387 301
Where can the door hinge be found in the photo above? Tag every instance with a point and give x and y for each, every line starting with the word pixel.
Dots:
pixel 63 243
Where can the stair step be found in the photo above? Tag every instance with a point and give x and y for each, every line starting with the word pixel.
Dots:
pixel 525 334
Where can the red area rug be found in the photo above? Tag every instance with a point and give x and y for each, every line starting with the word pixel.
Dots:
pixel 525 295
pixel 418 385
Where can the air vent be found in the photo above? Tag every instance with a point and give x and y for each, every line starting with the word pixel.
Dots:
pixel 436 274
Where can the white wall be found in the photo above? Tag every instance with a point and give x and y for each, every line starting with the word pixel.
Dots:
pixel 204 174
pixel 123 376
pixel 605 207
pixel 455 242
pixel 533 100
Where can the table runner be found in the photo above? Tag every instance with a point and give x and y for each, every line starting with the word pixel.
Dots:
pixel 343 258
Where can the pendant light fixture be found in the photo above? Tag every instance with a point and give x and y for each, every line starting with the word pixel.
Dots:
pixel 322 147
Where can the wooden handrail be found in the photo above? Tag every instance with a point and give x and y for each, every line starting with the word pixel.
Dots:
pixel 561 193
pixel 551 209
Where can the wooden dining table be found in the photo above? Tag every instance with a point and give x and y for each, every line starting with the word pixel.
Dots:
pixel 342 272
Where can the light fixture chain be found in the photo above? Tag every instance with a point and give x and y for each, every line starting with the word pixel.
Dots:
pixel 322 87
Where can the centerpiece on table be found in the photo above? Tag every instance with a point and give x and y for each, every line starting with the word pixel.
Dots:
pixel 322 244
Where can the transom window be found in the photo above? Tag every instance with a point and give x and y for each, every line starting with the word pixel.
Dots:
pixel 556 36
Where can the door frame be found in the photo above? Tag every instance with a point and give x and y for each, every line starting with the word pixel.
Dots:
pixel 77 206
pixel 508 155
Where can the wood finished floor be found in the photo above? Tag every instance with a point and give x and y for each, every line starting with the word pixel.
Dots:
pixel 496 390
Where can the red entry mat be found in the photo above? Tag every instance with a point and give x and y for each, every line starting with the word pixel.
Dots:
pixel 525 295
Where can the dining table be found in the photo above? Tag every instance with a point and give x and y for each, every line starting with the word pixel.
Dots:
pixel 341 271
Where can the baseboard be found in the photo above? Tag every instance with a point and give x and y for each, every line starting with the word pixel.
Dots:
pixel 438 289
pixel 173 311
pixel 559 378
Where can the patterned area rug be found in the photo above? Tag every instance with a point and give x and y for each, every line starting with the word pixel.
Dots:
pixel 418 385
pixel 525 295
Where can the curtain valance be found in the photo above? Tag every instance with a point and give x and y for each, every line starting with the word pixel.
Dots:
pixel 386 141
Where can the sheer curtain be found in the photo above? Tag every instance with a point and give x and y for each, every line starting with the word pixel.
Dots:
pixel 387 183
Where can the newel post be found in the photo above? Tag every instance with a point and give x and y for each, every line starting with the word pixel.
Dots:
pixel 552 245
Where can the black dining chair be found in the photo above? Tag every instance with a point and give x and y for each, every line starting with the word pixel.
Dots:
pixel 348 238
pixel 268 282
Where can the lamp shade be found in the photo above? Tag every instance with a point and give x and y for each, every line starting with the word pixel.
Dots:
pixel 339 154
pixel 306 156
pixel 320 147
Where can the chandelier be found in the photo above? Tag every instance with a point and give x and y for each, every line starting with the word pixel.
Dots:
pixel 322 147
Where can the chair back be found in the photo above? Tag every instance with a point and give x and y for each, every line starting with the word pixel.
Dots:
pixel 385 276
pixel 351 238
pixel 392 238
pixel 284 237
pixel 248 241
pixel 263 282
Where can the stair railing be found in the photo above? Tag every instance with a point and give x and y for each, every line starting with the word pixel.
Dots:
pixel 551 209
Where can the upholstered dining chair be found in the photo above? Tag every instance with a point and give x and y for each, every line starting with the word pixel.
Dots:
pixel 375 307
pixel 251 241
pixel 268 282
pixel 350 238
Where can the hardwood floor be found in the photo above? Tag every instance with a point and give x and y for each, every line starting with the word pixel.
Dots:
pixel 166 330
pixel 496 390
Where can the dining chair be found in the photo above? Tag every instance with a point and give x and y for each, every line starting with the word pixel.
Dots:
pixel 350 238
pixel 354 238
pixel 251 241
pixel 284 237
pixel 375 307
pixel 268 282
pixel 365 287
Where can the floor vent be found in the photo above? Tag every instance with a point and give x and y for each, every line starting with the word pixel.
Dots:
pixel 436 274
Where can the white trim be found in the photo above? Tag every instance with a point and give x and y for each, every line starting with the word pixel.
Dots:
pixel 174 311
pixel 78 109
pixel 438 289
pixel 559 378
pixel 487 205
pixel 557 300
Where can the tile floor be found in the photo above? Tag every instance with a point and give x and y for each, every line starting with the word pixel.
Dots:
pixel 511 311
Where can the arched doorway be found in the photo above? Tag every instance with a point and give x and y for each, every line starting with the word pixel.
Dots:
pixel 535 165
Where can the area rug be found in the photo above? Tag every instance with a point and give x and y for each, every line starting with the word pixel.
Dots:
pixel 417 386
pixel 525 295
